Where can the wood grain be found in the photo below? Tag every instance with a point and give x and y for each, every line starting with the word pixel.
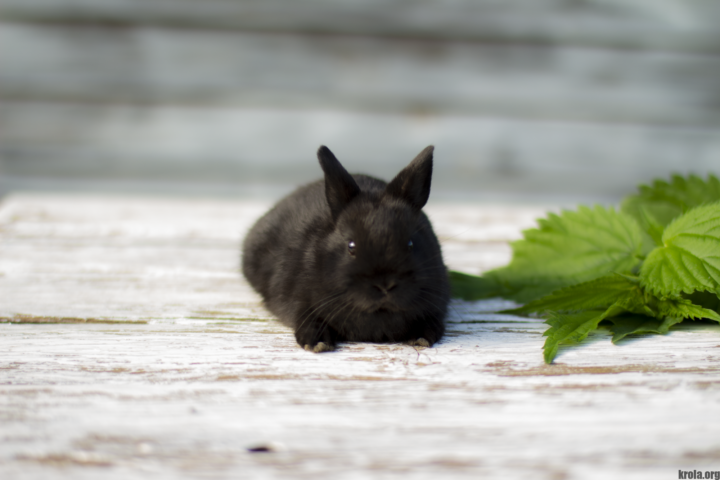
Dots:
pixel 197 372
pixel 532 98
pixel 87 63
pixel 667 25
pixel 237 149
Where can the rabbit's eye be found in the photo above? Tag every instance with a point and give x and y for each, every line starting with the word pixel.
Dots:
pixel 410 245
pixel 351 248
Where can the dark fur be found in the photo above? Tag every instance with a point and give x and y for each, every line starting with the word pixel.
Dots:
pixel 297 257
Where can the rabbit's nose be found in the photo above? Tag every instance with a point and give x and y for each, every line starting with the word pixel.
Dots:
pixel 386 285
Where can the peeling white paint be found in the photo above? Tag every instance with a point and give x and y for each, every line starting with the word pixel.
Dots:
pixel 211 374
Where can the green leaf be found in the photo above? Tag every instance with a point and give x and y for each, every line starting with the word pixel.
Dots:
pixel 620 296
pixel 709 300
pixel 651 213
pixel 570 248
pixel 681 308
pixel 622 290
pixel 664 201
pixel 598 293
pixel 689 259
pixel 652 226
pixel 572 328
pixel 472 287
pixel 625 325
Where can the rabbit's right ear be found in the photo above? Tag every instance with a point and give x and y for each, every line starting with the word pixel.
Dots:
pixel 412 184
pixel 340 186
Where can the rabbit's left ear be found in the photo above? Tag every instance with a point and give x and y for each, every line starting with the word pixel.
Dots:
pixel 340 186
pixel 412 184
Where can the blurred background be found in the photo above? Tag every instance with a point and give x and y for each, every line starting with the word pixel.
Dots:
pixel 525 100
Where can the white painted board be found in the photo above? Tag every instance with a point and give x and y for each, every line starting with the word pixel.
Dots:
pixel 196 371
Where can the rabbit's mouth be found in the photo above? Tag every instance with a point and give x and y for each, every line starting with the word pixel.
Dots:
pixel 372 300
pixel 384 306
pixel 386 309
pixel 372 305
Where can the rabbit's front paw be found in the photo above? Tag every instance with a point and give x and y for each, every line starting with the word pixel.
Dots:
pixel 315 337
pixel 319 347
pixel 419 342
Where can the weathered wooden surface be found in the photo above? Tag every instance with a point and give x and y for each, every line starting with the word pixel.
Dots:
pixel 667 25
pixel 247 69
pixel 490 157
pixel 204 372
pixel 534 97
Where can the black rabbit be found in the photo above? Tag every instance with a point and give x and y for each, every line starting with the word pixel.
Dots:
pixel 352 258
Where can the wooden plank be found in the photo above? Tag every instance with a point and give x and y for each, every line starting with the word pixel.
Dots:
pixel 139 253
pixel 669 25
pixel 89 63
pixel 211 374
pixel 187 400
pixel 234 150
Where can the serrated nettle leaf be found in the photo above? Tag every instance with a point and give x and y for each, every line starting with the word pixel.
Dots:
pixel 598 293
pixel 651 225
pixel 572 328
pixel 689 259
pixel 682 308
pixel 572 247
pixel 709 300
pixel 679 195
pixel 693 191
pixel 473 287
pixel 620 290
pixel 703 220
pixel 515 285
pixel 624 325
pixel 657 205
pixel 657 314
pixel 650 213
pixel 583 264
pixel 563 325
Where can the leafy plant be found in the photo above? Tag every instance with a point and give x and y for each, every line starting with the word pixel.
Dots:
pixel 645 268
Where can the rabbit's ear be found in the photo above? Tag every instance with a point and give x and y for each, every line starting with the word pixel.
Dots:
pixel 412 184
pixel 340 186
